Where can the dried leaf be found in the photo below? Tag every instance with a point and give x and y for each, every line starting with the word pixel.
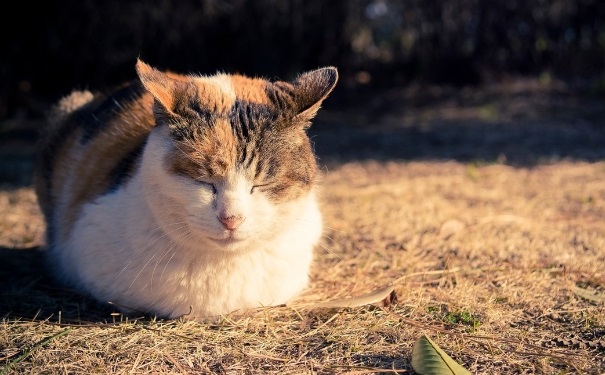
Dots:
pixel 383 294
pixel 429 359
pixel 588 294
pixel 390 300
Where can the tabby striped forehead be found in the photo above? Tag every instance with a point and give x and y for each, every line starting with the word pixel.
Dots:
pixel 247 104
pixel 233 123
pixel 221 93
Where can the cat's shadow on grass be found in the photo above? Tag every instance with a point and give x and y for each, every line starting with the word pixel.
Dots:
pixel 29 292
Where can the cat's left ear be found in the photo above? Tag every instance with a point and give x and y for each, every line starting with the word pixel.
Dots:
pixel 311 89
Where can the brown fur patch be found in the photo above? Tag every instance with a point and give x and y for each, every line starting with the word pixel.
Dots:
pixel 252 90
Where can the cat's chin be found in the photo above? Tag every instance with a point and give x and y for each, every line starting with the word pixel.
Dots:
pixel 227 240
pixel 229 244
pixel 222 242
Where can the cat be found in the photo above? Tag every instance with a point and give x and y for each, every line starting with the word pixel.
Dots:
pixel 182 195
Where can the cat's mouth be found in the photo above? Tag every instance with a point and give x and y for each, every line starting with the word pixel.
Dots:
pixel 228 239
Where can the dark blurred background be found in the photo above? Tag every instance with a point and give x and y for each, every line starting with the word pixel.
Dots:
pixel 379 46
pixel 55 46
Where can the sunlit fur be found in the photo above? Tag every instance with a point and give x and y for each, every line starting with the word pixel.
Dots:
pixel 182 195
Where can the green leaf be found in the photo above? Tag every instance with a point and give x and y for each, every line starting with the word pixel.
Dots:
pixel 429 359
pixel 28 352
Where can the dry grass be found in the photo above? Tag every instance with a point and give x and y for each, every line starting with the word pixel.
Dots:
pixel 510 245
pixel 486 259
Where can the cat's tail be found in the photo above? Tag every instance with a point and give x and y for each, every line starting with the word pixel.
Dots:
pixel 69 104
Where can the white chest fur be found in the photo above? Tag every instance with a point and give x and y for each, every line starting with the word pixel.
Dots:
pixel 156 245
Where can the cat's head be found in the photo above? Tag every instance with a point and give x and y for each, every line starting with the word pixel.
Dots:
pixel 236 153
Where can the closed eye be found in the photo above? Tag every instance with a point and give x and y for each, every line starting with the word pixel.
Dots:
pixel 257 186
pixel 209 185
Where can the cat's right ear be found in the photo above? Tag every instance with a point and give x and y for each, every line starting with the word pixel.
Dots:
pixel 163 88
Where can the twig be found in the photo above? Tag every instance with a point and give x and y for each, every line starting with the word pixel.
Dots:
pixel 367 370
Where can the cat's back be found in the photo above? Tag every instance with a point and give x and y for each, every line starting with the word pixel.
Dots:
pixel 90 145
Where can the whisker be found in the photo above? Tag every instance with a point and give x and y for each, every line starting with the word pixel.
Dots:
pixel 153 256
pixel 323 235
pixel 334 229
pixel 172 245
pixel 166 265
pixel 169 248
pixel 183 223
pixel 327 249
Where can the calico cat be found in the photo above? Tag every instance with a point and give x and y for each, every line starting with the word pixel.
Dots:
pixel 182 195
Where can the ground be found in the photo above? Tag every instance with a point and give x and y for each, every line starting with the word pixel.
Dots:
pixel 483 207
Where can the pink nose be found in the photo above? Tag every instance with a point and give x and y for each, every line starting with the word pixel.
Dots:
pixel 231 222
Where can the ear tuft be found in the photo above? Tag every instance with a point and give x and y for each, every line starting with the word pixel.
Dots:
pixel 162 87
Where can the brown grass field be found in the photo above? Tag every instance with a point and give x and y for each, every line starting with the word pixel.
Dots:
pixel 485 209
